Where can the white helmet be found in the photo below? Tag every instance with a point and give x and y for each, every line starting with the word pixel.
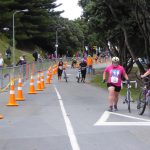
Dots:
pixel 115 59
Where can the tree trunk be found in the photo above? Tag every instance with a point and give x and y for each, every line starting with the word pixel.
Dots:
pixel 140 66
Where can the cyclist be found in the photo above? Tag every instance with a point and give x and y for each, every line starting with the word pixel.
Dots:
pixel 146 73
pixel 115 73
pixel 82 67
pixel 74 61
pixel 60 69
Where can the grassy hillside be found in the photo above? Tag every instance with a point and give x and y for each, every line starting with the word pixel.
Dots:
pixel 4 45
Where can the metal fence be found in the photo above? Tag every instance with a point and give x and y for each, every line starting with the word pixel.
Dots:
pixel 24 71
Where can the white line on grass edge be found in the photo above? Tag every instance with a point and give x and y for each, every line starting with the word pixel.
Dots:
pixel 71 134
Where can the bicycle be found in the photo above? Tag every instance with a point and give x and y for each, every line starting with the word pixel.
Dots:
pixel 144 97
pixel 128 98
pixel 65 75
pixel 78 75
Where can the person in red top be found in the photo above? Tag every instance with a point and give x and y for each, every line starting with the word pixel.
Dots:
pixel 115 73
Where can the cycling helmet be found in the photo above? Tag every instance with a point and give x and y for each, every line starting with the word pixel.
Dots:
pixel 115 59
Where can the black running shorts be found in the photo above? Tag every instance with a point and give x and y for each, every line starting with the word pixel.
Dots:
pixel 117 88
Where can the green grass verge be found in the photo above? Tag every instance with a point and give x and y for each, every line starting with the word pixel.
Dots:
pixel 97 80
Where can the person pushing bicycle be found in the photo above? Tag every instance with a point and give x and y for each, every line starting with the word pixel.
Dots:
pixel 60 69
pixel 115 73
pixel 82 67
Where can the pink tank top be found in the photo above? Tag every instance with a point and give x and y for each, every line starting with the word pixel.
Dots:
pixel 115 74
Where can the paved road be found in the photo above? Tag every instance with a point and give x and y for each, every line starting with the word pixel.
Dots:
pixel 71 116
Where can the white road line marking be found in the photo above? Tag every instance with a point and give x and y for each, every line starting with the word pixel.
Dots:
pixel 71 134
pixel 124 124
pixel 127 116
pixel 104 117
pixel 106 114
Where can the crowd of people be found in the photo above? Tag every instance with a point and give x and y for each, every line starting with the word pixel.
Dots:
pixel 113 72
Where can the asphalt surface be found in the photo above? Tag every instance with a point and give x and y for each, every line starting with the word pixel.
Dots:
pixel 71 116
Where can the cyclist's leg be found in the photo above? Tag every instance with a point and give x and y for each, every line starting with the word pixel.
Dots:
pixel 72 64
pixel 116 100
pixel 88 69
pixel 83 75
pixel 59 74
pixel 91 68
pixel 117 90
pixel 111 96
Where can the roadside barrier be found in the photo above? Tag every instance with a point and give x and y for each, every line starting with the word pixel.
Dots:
pixel 12 100
pixel 20 93
pixel 39 82
pixel 10 75
pixel 24 71
pixel 32 89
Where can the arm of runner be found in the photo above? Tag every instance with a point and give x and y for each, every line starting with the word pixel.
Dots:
pixel 145 74
pixel 126 77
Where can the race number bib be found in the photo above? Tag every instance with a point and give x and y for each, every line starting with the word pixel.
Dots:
pixel 115 76
pixel 114 80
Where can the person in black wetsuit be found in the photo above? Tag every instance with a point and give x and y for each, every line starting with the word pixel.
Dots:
pixel 83 66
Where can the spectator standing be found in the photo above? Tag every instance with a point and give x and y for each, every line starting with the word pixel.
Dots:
pixel 83 66
pixel 35 55
pixel 89 64
pixel 8 53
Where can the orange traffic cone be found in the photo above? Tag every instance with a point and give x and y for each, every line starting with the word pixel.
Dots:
pixel 39 83
pixel 32 89
pixel 53 70
pixel 1 117
pixel 42 80
pixel 12 100
pixel 48 77
pixel 20 94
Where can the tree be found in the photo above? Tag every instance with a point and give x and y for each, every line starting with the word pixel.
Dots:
pixel 115 21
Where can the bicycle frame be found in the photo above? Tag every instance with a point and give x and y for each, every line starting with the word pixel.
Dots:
pixel 127 99
pixel 65 75
pixel 79 75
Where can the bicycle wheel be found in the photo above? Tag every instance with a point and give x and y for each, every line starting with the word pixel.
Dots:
pixel 148 103
pixel 141 104
pixel 65 76
pixel 78 79
pixel 129 100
